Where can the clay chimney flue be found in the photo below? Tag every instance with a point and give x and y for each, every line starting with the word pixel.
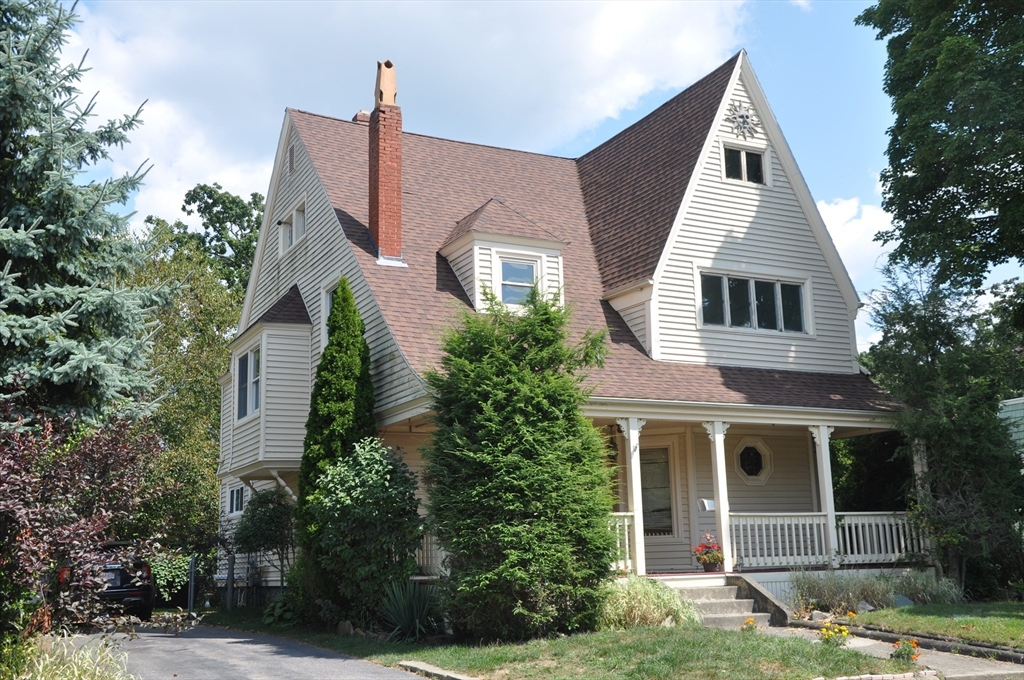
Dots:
pixel 386 168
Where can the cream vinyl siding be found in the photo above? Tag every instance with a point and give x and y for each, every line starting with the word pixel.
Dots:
pixel 287 388
pixel 226 422
pixel 485 270
pixel 636 318
pixel 318 260
pixel 752 231
pixel 245 440
pixel 410 446
pixel 463 265
pixel 553 276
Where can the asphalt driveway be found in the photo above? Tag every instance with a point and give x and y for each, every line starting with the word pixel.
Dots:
pixel 205 653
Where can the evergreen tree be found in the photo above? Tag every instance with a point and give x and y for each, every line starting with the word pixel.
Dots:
pixel 519 490
pixel 74 337
pixel 341 404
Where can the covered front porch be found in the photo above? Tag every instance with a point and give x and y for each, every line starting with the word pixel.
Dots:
pixel 760 482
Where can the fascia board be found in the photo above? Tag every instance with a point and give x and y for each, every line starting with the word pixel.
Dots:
pixel 404 411
pixel 622 290
pixel 268 210
pixel 634 296
pixel 490 239
pixel 800 188
pixel 614 407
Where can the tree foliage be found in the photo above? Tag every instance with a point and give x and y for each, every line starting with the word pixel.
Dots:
pixel 869 474
pixel 342 401
pixel 954 185
pixel 74 336
pixel 267 525
pixel 364 515
pixel 64 492
pixel 940 356
pixel 519 491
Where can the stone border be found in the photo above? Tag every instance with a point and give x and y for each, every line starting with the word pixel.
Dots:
pixel 432 671
pixel 926 641
pixel 897 676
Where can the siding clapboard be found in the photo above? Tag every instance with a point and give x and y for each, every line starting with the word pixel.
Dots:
pixel 636 318
pixel 462 265
pixel 746 228
pixel 287 391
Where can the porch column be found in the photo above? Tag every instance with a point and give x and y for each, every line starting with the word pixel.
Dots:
pixel 634 498
pixel 716 432
pixel 821 434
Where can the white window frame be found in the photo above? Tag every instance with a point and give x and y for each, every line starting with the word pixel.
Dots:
pixel 253 383
pixel 675 485
pixel 326 300
pixel 292 227
pixel 538 260
pixel 754 147
pixel 232 490
pixel 767 460
pixel 751 277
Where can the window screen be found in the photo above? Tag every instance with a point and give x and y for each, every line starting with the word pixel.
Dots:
pixel 733 164
pixel 656 491
pixel 739 303
pixel 792 308
pixel 764 297
pixel 712 299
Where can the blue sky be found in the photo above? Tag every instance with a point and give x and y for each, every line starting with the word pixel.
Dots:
pixel 548 77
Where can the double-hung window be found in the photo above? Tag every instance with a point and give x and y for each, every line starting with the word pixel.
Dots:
pixel 293 227
pixel 236 499
pixel 517 277
pixel 746 166
pixel 248 383
pixel 740 302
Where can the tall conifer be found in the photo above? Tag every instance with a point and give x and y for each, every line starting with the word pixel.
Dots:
pixel 74 337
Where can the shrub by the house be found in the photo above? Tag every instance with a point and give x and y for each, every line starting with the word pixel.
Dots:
pixel 519 492
pixel 364 515
pixel 267 526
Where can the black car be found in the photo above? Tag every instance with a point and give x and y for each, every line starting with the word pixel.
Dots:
pixel 130 585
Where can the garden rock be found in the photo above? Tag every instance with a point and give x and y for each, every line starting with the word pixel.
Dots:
pixel 345 628
pixel 902 601
pixel 819 615
pixel 669 622
pixel 863 606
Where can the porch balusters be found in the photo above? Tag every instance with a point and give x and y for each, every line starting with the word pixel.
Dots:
pixel 716 432
pixel 821 434
pixel 631 429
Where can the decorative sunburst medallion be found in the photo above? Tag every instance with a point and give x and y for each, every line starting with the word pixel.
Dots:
pixel 744 121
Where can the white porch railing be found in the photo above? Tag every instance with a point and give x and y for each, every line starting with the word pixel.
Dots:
pixel 429 556
pixel 622 527
pixel 878 537
pixel 779 540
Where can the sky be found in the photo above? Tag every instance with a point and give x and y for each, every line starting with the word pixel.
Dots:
pixel 554 78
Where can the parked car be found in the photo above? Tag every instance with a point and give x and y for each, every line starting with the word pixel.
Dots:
pixel 129 582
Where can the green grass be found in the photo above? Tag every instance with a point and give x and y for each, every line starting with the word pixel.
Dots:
pixel 999 623
pixel 682 653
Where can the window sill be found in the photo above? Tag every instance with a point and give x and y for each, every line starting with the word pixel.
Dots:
pixel 244 419
pixel 709 328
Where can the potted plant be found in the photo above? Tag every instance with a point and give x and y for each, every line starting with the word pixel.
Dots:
pixel 709 553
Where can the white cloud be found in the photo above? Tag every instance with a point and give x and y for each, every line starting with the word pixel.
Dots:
pixel 805 5
pixel 525 75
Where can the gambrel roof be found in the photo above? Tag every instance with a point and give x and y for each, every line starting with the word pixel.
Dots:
pixel 613 208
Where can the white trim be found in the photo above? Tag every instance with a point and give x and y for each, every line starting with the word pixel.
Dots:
pixel 231 500
pixel 250 412
pixel 289 218
pixel 767 460
pixel 671 444
pixel 483 238
pixel 325 293
pixel 777 276
pixel 762 148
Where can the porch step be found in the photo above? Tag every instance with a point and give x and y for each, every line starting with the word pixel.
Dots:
pixel 724 607
pixel 709 593
pixel 734 621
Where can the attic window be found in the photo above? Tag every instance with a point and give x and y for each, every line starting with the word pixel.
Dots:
pixel 293 227
pixel 750 303
pixel 746 166
pixel 517 277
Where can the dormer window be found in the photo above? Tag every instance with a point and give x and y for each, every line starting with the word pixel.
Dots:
pixel 741 302
pixel 517 277
pixel 746 166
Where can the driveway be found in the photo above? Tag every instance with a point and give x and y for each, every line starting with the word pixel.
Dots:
pixel 205 653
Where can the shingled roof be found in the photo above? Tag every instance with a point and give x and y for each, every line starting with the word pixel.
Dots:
pixel 289 309
pixel 448 187
pixel 496 217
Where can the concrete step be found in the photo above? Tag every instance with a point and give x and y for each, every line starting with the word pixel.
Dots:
pixel 724 607
pixel 709 593
pixel 734 621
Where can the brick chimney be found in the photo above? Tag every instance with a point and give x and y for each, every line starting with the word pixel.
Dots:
pixel 386 168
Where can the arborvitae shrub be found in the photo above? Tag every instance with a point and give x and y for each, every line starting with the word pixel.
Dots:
pixel 364 515
pixel 519 492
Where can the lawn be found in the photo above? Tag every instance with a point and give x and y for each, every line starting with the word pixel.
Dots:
pixel 999 623
pixel 648 653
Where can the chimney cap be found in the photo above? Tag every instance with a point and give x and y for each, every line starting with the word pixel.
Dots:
pixel 386 91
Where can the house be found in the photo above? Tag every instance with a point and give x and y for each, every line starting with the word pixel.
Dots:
pixel 690 237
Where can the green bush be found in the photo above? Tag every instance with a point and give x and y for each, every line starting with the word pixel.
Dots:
pixel 267 525
pixel 410 611
pixel 364 515
pixel 638 601
pixel 519 488
pixel 840 592
pixel 170 573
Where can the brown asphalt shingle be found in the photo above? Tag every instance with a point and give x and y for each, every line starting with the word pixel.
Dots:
pixel 289 309
pixel 444 182
pixel 496 217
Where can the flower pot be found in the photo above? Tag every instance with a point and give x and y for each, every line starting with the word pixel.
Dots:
pixel 712 566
